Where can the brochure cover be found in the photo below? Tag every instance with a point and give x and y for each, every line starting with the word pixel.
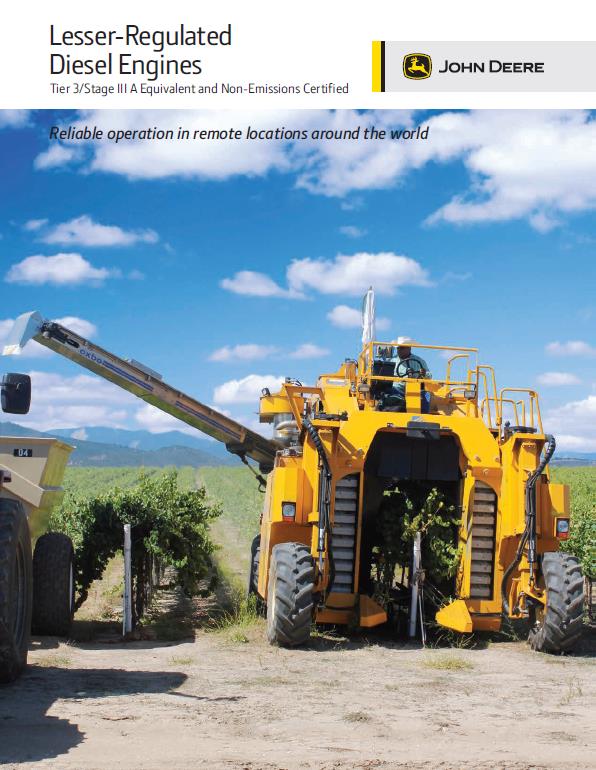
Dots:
pixel 298 442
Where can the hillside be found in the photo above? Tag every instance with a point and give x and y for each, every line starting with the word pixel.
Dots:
pixel 99 454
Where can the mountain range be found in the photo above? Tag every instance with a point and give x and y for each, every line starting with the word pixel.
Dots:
pixel 113 447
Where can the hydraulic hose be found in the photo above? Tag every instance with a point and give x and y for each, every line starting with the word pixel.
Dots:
pixel 325 478
pixel 529 533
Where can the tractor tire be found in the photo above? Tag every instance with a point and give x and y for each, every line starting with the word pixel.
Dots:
pixel 53 585
pixel 16 583
pixel 253 572
pixel 559 625
pixel 290 595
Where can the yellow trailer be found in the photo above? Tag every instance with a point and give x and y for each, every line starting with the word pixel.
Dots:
pixel 36 568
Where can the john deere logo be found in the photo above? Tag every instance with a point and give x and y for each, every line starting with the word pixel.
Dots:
pixel 417 66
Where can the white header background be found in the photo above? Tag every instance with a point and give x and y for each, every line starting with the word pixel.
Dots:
pixel 290 43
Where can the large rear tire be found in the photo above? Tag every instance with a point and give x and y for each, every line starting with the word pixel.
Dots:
pixel 53 585
pixel 558 626
pixel 15 589
pixel 290 595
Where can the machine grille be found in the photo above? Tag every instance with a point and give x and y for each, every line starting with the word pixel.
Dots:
pixel 484 519
pixel 344 532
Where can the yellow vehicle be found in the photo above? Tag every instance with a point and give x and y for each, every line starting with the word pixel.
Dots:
pixel 338 446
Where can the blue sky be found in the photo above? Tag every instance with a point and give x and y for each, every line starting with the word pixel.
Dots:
pixel 174 254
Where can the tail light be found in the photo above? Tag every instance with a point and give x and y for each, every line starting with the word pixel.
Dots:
pixel 562 530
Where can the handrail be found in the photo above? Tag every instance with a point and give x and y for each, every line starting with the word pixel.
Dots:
pixel 535 416
pixel 455 358
pixel 490 369
pixel 487 399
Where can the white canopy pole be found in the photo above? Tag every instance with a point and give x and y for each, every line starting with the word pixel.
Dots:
pixel 368 317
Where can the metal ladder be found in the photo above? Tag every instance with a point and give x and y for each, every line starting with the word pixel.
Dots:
pixel 344 532
pixel 484 519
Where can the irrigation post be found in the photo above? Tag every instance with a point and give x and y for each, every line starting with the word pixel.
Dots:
pixel 414 582
pixel 127 609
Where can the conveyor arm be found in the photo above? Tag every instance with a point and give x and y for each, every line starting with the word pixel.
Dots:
pixel 142 382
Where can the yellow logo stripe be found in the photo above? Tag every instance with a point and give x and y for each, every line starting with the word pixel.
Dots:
pixel 377 66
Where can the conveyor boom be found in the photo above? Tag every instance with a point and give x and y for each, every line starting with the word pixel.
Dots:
pixel 142 382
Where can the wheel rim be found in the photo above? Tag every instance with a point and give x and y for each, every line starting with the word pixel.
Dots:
pixel 18 627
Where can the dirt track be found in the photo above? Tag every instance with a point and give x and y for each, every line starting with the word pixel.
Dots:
pixel 353 704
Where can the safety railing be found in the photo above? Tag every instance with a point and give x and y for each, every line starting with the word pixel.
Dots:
pixel 531 407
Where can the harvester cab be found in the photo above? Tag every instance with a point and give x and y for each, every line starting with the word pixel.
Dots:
pixel 404 472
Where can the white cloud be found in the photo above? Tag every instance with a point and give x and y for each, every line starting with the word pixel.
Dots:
pixel 78 325
pixel 76 402
pixel 534 165
pixel 309 350
pixel 352 204
pixel 567 442
pixel 60 270
pixel 345 317
pixel 249 352
pixel 246 390
pixel 351 231
pixel 83 231
pixel 55 156
pixel 570 348
pixel 80 434
pixel 573 424
pixel 344 274
pixel 14 118
pixel 556 379
pixel 253 284
pixel 385 271
pixel 34 224
pixel 543 222
pixel 33 349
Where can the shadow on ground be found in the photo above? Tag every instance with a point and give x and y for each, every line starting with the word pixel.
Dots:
pixel 28 733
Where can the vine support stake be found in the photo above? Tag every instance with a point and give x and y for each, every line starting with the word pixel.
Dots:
pixel 414 581
pixel 127 599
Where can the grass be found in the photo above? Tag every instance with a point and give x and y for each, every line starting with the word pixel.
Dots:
pixel 181 660
pixel 239 623
pixel 573 691
pixel 447 663
pixel 357 716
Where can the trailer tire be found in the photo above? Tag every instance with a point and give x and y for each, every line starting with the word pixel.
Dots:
pixel 53 585
pixel 290 595
pixel 559 626
pixel 15 589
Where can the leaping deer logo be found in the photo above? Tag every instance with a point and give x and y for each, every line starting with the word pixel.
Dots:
pixel 417 66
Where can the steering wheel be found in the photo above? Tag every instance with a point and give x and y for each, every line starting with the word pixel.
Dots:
pixel 404 368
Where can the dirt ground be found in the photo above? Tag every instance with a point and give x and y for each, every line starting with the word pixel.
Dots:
pixel 214 702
